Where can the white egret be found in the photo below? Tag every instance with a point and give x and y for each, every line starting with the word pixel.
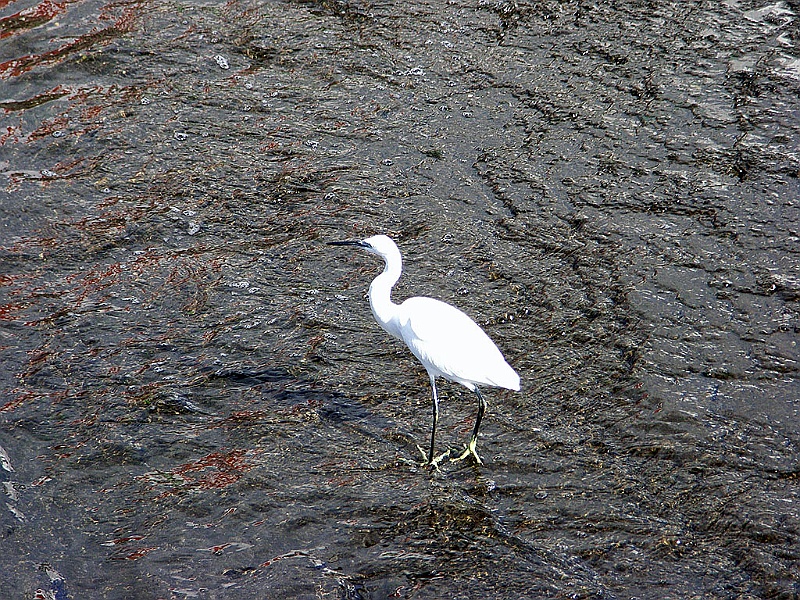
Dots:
pixel 446 341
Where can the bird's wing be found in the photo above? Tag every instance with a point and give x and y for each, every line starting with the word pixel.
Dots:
pixel 442 336
pixel 434 321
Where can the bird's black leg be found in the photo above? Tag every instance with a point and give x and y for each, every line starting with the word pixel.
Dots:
pixel 435 396
pixel 473 442
pixel 430 460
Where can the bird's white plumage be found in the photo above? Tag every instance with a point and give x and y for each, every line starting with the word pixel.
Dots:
pixel 452 345
pixel 445 340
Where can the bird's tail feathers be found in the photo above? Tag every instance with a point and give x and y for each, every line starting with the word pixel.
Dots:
pixel 508 379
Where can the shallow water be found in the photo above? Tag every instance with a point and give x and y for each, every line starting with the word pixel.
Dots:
pixel 196 402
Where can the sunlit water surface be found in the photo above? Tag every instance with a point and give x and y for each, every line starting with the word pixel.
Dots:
pixel 195 400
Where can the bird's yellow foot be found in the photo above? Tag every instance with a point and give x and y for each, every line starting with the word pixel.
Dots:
pixel 469 451
pixel 435 462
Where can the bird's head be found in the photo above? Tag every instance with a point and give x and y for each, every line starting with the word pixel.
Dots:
pixel 382 245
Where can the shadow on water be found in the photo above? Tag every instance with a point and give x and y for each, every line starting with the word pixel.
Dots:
pixel 195 400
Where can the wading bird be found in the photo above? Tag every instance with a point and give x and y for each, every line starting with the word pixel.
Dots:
pixel 446 341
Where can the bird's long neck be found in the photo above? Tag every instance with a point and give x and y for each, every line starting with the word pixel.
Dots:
pixel 380 295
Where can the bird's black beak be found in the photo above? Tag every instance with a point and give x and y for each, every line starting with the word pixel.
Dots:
pixel 357 243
